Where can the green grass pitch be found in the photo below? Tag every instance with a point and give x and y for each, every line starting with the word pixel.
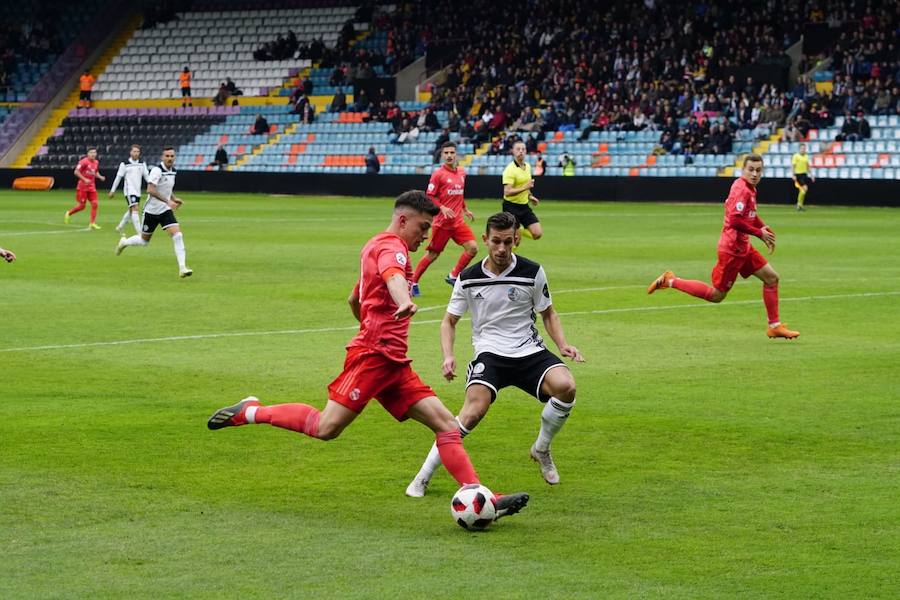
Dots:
pixel 701 460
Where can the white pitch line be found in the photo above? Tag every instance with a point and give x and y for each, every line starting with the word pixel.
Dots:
pixel 209 336
pixel 56 231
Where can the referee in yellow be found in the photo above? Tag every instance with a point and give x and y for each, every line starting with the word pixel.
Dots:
pixel 517 186
pixel 801 175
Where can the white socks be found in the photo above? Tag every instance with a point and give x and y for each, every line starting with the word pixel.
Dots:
pixel 124 219
pixel 136 221
pixel 178 242
pixel 553 417
pixel 135 240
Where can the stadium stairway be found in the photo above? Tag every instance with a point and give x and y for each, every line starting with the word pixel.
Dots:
pixel 71 102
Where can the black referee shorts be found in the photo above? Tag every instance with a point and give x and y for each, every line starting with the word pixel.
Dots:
pixel 522 212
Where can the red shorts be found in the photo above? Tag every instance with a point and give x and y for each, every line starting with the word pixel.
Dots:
pixel 459 233
pixel 82 196
pixel 368 374
pixel 729 266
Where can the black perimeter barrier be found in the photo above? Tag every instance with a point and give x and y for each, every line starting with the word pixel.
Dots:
pixel 842 192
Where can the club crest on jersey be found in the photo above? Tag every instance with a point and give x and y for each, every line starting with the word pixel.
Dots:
pixel 401 258
pixel 354 394
pixel 739 206
pixel 512 293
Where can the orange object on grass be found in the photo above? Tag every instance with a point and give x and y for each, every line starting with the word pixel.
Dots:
pixel 33 183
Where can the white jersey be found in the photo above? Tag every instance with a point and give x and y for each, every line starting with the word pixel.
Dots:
pixel 164 180
pixel 134 173
pixel 503 306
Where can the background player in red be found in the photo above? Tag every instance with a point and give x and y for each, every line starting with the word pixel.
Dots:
pixel 376 365
pixel 736 255
pixel 86 191
pixel 447 189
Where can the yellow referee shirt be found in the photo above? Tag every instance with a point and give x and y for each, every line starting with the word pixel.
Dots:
pixel 800 163
pixel 517 176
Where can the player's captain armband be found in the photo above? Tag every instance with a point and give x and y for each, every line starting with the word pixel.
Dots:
pixel 391 271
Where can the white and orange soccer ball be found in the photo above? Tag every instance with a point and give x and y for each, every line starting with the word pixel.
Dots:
pixel 473 507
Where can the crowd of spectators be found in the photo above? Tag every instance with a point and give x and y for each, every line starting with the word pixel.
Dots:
pixel 649 66
pixel 33 40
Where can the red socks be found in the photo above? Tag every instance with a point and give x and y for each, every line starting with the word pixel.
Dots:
pixel 455 458
pixel 76 208
pixel 693 287
pixel 420 268
pixel 464 260
pixel 770 299
pixel 93 210
pixel 302 418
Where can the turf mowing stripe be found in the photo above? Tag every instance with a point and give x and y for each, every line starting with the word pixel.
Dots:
pixel 207 336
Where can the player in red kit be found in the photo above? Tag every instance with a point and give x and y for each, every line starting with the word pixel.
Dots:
pixel 376 364
pixel 86 191
pixel 736 255
pixel 447 189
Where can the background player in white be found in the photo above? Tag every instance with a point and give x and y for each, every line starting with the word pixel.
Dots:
pixel 159 210
pixel 134 173
pixel 504 292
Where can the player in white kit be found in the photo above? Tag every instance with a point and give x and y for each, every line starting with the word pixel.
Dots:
pixel 134 173
pixel 504 293
pixel 159 211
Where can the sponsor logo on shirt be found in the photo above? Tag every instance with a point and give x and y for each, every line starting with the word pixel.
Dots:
pixel 546 291
pixel 478 296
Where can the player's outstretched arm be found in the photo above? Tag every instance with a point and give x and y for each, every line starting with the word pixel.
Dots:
pixel 554 329
pixel 7 255
pixel 398 288
pixel 448 338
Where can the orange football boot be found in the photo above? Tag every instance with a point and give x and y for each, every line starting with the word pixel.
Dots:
pixel 781 331
pixel 661 282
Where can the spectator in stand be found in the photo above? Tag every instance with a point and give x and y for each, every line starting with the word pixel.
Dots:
pixel 308 86
pixel 361 102
pixel 232 88
pixel 428 121
pixel 373 165
pixel 86 83
pixel 221 159
pixel 221 97
pixel 260 126
pixel 441 139
pixel 567 163
pixel 308 115
pixel 337 77
pixel 339 101
pixel 540 166
pixel 184 81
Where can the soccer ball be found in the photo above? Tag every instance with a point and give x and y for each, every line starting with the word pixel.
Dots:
pixel 473 507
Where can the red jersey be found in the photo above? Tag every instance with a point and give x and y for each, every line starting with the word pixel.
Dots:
pixel 378 330
pixel 87 168
pixel 740 219
pixel 447 188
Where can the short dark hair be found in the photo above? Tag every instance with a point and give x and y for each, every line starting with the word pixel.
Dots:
pixel 89 148
pixel 138 146
pixel 418 201
pixel 501 221
pixel 448 144
pixel 167 148
pixel 752 158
